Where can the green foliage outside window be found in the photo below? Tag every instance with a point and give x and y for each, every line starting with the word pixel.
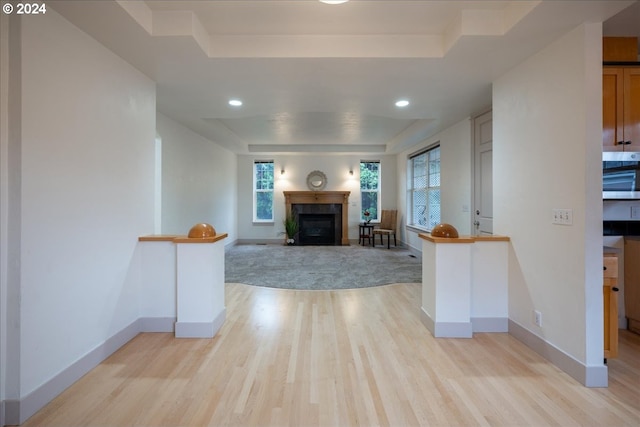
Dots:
pixel 263 191
pixel 369 189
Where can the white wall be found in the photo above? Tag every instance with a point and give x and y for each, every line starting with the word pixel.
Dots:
pixel 297 167
pixel 455 179
pixel 547 118
pixel 8 299
pixel 88 129
pixel 198 181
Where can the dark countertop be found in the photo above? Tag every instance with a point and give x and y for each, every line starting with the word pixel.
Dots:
pixel 621 228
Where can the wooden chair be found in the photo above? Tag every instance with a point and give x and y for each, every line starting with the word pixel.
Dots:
pixel 387 227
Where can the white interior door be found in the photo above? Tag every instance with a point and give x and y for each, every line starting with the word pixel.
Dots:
pixel 483 179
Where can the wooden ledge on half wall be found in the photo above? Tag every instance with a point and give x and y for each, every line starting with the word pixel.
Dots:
pixel 463 239
pixel 181 239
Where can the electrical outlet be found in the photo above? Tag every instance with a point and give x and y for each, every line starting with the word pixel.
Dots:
pixel 635 212
pixel 537 318
pixel 562 216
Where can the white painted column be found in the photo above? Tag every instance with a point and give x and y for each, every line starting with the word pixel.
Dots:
pixel 490 286
pixel 200 286
pixel 465 285
pixel 446 286
pixel 157 283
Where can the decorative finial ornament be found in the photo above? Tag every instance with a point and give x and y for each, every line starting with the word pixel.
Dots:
pixel 444 230
pixel 201 231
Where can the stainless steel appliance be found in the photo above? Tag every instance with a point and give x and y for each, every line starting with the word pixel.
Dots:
pixel 620 175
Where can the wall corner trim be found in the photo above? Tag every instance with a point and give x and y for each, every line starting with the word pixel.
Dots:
pixel 589 376
pixel 490 324
pixel 13 412
pixel 200 329
pixel 2 417
pixel 446 329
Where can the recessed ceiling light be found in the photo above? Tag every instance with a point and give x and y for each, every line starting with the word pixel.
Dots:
pixel 333 1
pixel 402 103
pixel 235 102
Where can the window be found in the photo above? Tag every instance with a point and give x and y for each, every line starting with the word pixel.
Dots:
pixel 370 189
pixel 263 191
pixel 423 187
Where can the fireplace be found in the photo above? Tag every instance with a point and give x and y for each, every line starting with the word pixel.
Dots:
pixel 330 203
pixel 316 219
pixel 317 229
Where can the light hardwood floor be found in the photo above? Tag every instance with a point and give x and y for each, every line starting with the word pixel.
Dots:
pixel 339 358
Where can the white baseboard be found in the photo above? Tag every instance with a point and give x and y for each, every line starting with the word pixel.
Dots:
pixel 461 330
pixel 157 324
pixel 490 324
pixel 37 399
pixel 14 412
pixel 279 241
pixel 427 321
pixel 401 245
pixel 446 329
pixel 589 376
pixel 200 329
pixel 11 412
pixel 453 330
pixel 415 251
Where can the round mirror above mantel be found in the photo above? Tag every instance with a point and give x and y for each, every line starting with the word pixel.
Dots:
pixel 316 180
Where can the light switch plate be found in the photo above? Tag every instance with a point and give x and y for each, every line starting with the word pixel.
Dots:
pixel 562 216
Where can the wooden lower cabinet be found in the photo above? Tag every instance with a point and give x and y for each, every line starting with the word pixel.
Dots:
pixel 632 282
pixel 610 298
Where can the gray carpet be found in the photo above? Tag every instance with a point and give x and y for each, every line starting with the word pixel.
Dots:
pixel 320 267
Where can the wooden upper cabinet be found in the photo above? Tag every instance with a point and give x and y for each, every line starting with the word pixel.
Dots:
pixel 612 109
pixel 632 108
pixel 619 49
pixel 621 109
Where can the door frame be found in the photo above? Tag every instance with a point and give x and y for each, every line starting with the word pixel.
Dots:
pixel 474 184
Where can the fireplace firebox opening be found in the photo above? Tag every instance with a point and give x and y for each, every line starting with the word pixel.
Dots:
pixel 317 229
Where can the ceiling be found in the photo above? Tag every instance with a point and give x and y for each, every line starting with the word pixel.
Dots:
pixel 324 78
